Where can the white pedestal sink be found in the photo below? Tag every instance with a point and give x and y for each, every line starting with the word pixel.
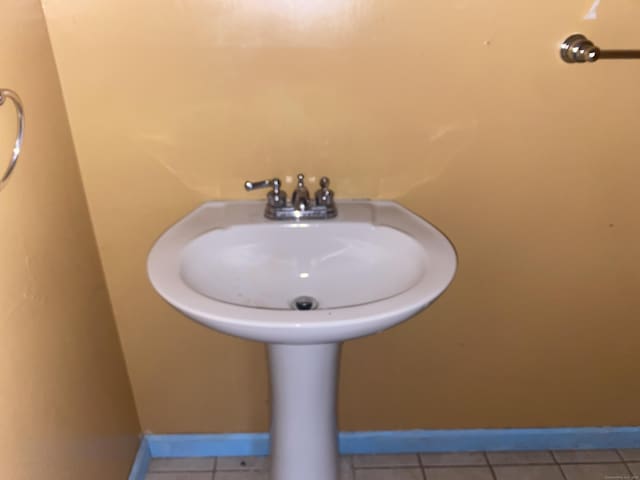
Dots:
pixel 375 265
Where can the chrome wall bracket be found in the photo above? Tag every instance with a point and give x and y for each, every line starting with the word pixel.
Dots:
pixel 579 49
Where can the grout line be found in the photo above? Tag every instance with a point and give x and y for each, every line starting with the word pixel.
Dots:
pixel 182 471
pixel 391 467
pixel 436 467
pixel 608 462
pixel 486 458
pixel 553 455
pixel 622 459
pixel 514 465
pixel 633 476
pixel 422 467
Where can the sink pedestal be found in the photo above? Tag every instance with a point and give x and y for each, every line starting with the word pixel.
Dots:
pixel 304 432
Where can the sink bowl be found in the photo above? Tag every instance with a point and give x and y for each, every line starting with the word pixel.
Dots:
pixel 227 267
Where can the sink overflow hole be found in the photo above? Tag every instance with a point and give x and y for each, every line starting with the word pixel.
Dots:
pixel 304 303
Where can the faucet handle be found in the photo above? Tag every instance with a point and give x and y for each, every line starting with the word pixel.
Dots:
pixel 276 197
pixel 324 195
pixel 248 186
pixel 302 189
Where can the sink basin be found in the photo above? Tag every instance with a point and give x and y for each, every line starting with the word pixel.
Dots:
pixel 227 267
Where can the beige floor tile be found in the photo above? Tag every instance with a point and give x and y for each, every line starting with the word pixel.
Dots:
pixel 199 464
pixel 179 476
pixel 602 471
pixel 372 461
pixel 346 468
pixel 586 456
pixel 459 473
pixel 388 474
pixel 242 463
pixel 520 458
pixel 528 472
pixel 630 454
pixel 453 459
pixel 241 475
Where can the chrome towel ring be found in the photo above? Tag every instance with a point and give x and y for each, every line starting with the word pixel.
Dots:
pixel 4 94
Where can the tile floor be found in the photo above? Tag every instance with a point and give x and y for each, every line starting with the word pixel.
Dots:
pixel 538 465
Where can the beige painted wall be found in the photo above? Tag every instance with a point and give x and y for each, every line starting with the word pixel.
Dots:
pixel 66 408
pixel 460 110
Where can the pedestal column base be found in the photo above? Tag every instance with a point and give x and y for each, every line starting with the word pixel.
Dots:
pixel 304 432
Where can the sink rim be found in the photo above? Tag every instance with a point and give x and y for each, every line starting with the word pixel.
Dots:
pixel 292 326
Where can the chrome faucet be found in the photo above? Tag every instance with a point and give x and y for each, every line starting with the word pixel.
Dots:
pixel 301 205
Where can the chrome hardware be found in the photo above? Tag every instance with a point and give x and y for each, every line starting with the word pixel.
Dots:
pixel 300 196
pixel 17 146
pixel 324 195
pixel 579 49
pixel 301 206
pixel 304 303
pixel 275 198
pixel 248 186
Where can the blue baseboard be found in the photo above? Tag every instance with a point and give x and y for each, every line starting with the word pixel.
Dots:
pixel 141 463
pixel 406 441
pixel 209 445
pixel 401 441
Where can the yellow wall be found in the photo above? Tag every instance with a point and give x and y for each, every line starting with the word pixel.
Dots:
pixel 66 409
pixel 460 110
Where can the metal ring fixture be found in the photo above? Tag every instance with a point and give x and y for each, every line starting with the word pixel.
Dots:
pixel 579 49
pixel 4 94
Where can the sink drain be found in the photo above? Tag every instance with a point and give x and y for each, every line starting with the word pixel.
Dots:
pixel 304 303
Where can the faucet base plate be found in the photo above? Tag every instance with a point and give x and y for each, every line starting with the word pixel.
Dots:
pixel 318 212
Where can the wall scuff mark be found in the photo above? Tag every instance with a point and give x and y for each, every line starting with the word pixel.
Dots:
pixel 592 14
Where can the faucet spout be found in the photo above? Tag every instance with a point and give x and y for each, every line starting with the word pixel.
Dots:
pixel 300 197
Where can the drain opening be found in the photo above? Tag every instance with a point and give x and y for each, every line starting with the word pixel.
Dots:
pixel 304 303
